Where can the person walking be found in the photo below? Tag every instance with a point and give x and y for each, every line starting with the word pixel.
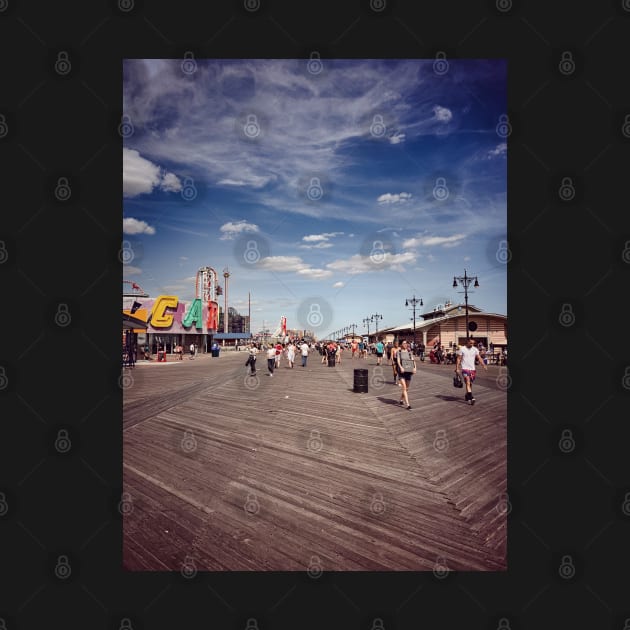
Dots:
pixel 467 358
pixel 324 352
pixel 331 352
pixel 304 352
pixel 251 359
pixel 393 353
pixel 291 354
pixel 338 354
pixel 279 349
pixel 406 369
pixel 271 359
pixel 379 347
pixel 192 350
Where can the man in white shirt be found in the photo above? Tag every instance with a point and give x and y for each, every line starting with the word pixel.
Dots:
pixel 467 358
pixel 271 358
pixel 304 351
pixel 251 359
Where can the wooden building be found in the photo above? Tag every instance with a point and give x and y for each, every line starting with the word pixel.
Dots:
pixel 446 325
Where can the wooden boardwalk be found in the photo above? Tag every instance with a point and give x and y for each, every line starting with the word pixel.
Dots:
pixel 225 472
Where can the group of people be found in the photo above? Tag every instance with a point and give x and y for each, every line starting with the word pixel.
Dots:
pixel 404 366
pixel 274 354
pixel 400 356
pixel 330 352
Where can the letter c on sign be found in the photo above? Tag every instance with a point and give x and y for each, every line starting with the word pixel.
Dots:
pixel 159 319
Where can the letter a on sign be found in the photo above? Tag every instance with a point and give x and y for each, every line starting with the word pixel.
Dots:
pixel 193 315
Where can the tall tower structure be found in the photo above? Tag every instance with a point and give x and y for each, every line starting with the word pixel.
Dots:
pixel 226 275
pixel 206 290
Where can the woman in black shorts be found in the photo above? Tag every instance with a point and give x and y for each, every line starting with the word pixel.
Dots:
pixel 404 357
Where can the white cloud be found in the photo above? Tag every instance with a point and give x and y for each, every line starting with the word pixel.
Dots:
pixel 430 241
pixel 320 237
pixel 303 123
pixel 232 182
pixel 394 197
pixel 364 264
pixel 321 240
pixel 282 263
pixel 293 264
pixel 443 114
pixel 315 273
pixel 322 245
pixel 231 229
pixel 256 181
pixel 141 176
pixel 500 149
pixel 130 270
pixel 134 226
pixel 171 183
pixel 338 285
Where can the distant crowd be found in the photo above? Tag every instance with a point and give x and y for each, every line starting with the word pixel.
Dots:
pixel 332 352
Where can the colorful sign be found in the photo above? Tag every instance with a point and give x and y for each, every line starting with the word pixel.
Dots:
pixel 167 314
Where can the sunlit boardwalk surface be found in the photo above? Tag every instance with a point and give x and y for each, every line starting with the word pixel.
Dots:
pixel 299 472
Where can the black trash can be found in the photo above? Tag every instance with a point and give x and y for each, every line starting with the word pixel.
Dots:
pixel 331 359
pixel 361 381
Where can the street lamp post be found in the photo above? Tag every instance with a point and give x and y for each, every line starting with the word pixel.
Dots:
pixel 413 302
pixel 353 327
pixel 465 281
pixel 226 275
pixel 375 318
pixel 366 322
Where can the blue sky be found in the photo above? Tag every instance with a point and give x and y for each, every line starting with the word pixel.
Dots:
pixel 351 189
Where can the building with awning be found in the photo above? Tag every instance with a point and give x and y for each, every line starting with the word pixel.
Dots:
pixel 447 325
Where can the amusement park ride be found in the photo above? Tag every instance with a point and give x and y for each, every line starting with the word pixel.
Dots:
pixel 206 289
pixel 131 289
